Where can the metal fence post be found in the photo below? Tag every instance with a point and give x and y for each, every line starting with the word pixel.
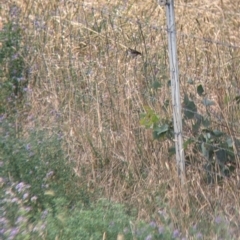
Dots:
pixel 174 74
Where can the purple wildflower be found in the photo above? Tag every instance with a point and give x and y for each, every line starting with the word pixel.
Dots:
pixel 2 231
pixel 20 220
pixel 50 174
pixel 153 224
pixel 28 147
pixel 149 237
pixel 25 196
pixel 161 230
pixel 33 199
pixel 176 233
pixel 218 219
pixel 13 233
pixel 44 214
pixel 199 235
pixel 14 200
pixel 20 187
pixel 14 11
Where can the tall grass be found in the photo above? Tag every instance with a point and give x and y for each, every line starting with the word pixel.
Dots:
pixel 83 84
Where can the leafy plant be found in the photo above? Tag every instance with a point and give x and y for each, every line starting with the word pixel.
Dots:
pixel 12 67
pixel 16 212
pixel 216 146
pixel 160 128
pixel 39 161
pixel 99 220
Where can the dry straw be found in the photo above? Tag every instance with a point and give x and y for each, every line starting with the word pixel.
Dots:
pixel 83 81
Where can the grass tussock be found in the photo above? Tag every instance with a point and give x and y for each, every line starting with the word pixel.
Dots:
pixel 81 80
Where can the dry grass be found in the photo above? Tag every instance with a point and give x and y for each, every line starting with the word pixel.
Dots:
pixel 83 82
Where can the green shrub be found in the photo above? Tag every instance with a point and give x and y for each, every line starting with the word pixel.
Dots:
pixel 38 161
pixel 13 79
pixel 102 218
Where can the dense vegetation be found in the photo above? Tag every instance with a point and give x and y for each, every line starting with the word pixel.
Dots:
pixel 87 143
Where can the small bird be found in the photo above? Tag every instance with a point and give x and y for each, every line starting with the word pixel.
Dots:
pixel 133 53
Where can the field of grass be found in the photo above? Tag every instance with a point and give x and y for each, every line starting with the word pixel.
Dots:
pixel 83 153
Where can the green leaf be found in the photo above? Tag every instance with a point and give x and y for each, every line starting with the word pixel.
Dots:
pixel 207 102
pixel 218 133
pixel 221 156
pixel 189 108
pixel 172 150
pixel 196 126
pixel 156 85
pixel 207 134
pixel 230 142
pixel 206 122
pixel 200 90
pixel 188 142
pixel 149 119
pixel 237 99
pixel 190 81
pixel 165 105
pixel 160 131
